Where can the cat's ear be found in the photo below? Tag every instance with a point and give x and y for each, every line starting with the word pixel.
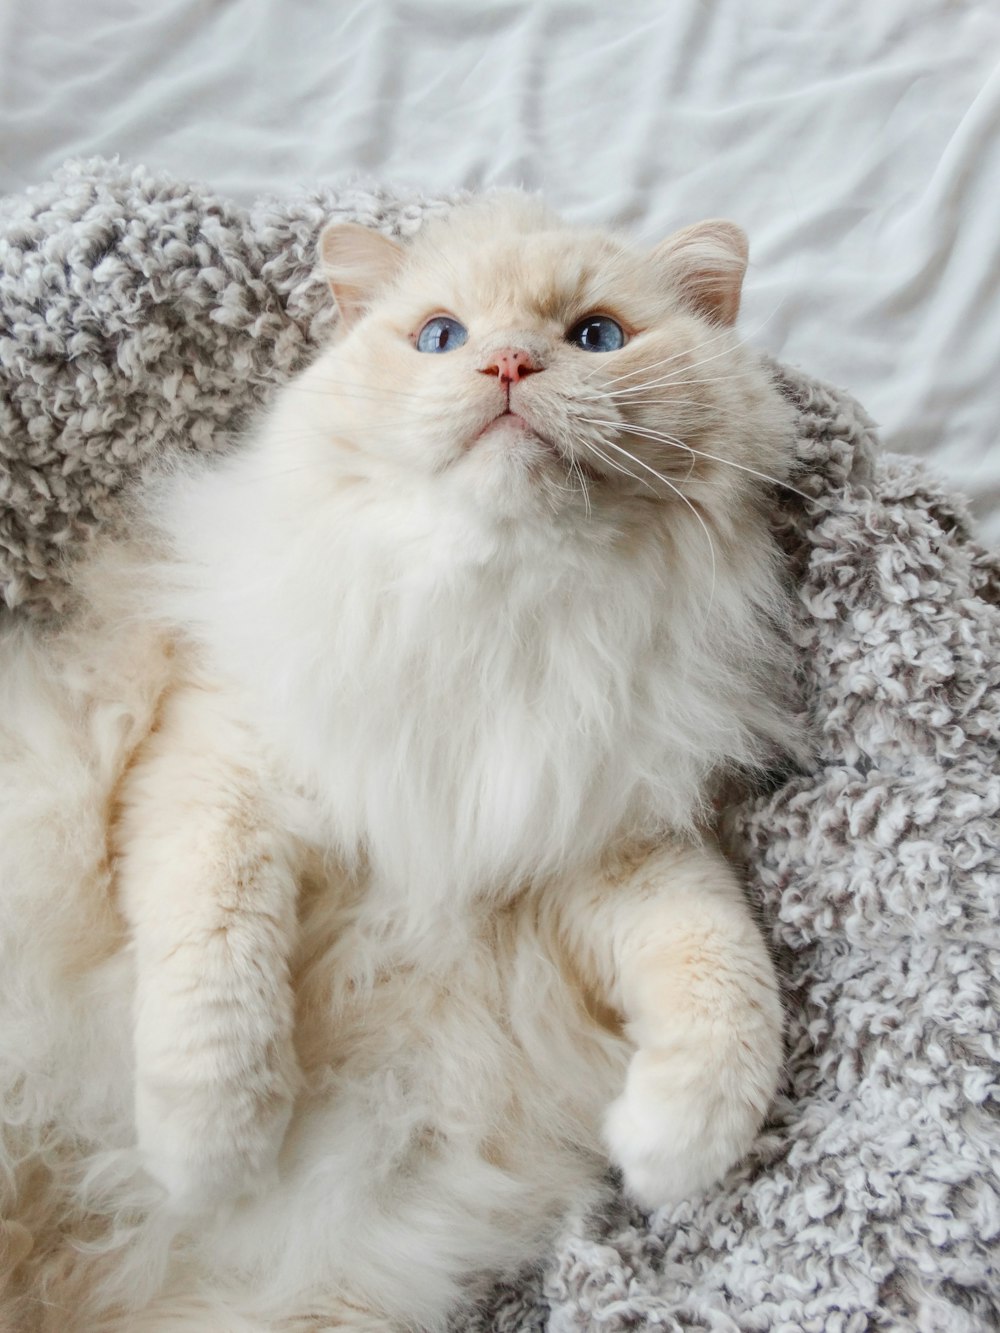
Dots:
pixel 357 263
pixel 705 265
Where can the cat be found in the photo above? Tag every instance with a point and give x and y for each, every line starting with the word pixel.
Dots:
pixel 358 900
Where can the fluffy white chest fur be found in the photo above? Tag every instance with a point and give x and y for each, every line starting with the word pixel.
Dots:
pixel 355 902
pixel 475 706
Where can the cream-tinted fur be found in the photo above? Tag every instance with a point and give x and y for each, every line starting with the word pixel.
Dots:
pixel 355 899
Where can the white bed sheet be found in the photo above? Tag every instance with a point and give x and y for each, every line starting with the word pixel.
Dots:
pixel 858 141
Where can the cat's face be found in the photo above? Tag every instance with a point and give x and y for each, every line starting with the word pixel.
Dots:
pixel 523 360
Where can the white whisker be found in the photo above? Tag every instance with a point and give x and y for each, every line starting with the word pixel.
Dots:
pixel 682 497
pixel 626 428
pixel 668 359
pixel 674 378
pixel 655 402
pixel 739 342
pixel 655 435
pixel 681 384
pixel 617 467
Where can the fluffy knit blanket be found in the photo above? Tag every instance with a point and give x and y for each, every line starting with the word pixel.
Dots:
pixel 138 315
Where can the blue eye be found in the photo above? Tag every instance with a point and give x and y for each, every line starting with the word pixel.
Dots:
pixel 597 333
pixel 441 334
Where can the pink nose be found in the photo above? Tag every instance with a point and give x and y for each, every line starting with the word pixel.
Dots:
pixel 511 364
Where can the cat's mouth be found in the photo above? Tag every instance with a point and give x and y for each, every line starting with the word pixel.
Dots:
pixel 507 420
pixel 513 422
pixel 516 426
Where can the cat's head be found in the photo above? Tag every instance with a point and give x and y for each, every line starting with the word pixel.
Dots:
pixel 523 360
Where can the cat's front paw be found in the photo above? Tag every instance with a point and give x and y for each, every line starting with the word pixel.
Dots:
pixel 685 1117
pixel 208 1145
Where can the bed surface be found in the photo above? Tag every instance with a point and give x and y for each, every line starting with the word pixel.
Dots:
pixel 858 144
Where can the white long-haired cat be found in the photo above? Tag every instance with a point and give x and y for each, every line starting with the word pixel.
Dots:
pixel 356 904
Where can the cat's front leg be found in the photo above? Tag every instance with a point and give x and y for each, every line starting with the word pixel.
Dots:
pixel 669 938
pixel 207 883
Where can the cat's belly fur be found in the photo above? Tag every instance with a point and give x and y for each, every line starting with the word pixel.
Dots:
pixel 448 1119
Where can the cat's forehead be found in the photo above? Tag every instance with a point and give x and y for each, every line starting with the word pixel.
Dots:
pixel 507 268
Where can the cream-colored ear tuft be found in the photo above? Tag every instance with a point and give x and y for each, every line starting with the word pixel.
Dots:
pixel 357 263
pixel 705 264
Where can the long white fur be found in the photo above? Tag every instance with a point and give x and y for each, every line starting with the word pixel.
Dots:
pixel 354 900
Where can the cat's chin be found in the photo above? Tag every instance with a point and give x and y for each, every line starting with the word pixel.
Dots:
pixel 517 470
pixel 511 438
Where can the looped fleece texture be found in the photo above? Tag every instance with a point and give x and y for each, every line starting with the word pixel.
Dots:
pixel 139 315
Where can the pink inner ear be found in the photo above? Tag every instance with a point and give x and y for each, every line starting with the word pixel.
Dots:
pixel 358 263
pixel 705 265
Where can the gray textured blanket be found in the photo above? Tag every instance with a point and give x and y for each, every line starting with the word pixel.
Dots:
pixel 138 315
